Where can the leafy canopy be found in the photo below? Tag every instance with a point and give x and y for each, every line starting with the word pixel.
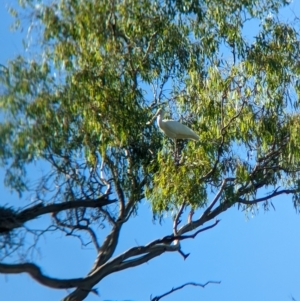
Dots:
pixel 100 70
pixel 82 96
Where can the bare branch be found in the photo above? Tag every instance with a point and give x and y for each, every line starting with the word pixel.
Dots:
pixel 155 248
pixel 203 219
pixel 211 205
pixel 185 256
pixel 275 193
pixel 40 209
pixel 102 267
pixel 177 218
pixel 108 247
pixel 35 272
pixel 78 226
pixel 118 188
pixel 218 210
pixel 108 215
pixel 181 237
pixel 163 244
pixel 190 216
pixel 143 259
pixel 174 289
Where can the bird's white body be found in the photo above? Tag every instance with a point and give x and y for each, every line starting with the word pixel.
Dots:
pixel 174 129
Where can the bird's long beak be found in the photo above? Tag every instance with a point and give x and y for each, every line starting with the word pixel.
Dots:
pixel 152 119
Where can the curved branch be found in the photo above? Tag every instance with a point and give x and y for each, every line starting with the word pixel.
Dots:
pixel 138 261
pixel 108 247
pixel 35 272
pixel 119 190
pixel 120 263
pixel 131 258
pixel 174 289
pixel 158 245
pixel 177 218
pixel 18 219
pixel 275 193
pixel 181 237
pixel 211 205
pixel 86 228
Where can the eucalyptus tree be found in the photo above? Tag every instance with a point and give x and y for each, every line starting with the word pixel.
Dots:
pixel 80 99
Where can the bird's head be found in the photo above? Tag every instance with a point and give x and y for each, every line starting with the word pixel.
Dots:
pixel 160 112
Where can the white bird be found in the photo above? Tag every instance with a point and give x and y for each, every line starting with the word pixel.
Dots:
pixel 174 129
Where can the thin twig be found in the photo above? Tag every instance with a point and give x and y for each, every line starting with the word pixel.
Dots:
pixel 276 193
pixel 181 237
pixel 174 289
pixel 176 220
pixel 211 205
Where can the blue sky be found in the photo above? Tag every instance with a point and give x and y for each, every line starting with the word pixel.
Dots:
pixel 255 257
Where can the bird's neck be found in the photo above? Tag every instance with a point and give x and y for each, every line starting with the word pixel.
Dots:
pixel 159 119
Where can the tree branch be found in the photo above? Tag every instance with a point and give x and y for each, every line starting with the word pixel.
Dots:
pixel 102 267
pixel 275 193
pixel 181 237
pixel 78 226
pixel 40 209
pixel 35 272
pixel 108 247
pixel 219 151
pixel 211 205
pixel 174 289
pixel 177 218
